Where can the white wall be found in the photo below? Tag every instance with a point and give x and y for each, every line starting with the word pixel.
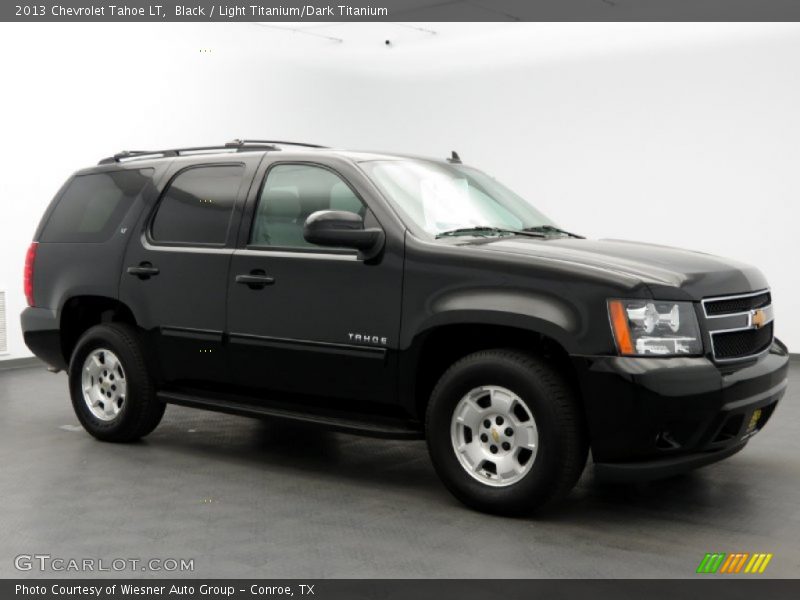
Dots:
pixel 73 94
pixel 677 133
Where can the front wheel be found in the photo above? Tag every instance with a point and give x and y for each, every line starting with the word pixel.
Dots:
pixel 111 388
pixel 505 433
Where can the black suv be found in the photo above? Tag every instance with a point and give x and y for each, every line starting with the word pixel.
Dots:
pixel 399 297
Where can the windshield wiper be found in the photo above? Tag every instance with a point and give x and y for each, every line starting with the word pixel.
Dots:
pixel 485 229
pixel 552 229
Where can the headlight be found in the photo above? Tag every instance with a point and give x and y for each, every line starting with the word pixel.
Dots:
pixel 650 327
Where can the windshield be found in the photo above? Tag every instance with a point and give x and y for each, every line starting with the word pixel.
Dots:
pixel 442 198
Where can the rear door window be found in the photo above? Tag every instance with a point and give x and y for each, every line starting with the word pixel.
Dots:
pixel 92 206
pixel 197 206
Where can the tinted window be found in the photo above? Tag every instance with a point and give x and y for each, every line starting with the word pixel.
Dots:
pixel 196 208
pixel 92 206
pixel 290 194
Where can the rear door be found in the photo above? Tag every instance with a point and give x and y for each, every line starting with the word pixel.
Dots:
pixel 175 269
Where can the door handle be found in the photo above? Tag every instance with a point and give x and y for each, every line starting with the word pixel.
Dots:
pixel 255 280
pixel 144 270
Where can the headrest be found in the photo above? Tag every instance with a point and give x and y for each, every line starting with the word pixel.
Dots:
pixel 281 203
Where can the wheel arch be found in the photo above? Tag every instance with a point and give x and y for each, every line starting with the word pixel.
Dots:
pixel 79 313
pixel 434 349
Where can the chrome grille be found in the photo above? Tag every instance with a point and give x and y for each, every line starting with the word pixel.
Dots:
pixel 741 344
pixel 738 304
pixel 740 326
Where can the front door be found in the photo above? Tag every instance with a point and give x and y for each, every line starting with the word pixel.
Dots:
pixel 304 319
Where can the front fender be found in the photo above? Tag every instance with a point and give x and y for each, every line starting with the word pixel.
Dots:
pixel 537 312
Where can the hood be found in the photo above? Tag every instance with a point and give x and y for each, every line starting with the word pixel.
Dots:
pixel 663 269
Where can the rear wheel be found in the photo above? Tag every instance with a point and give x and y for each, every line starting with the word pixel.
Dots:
pixel 505 433
pixel 112 391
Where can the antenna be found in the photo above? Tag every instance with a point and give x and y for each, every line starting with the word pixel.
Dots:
pixel 454 158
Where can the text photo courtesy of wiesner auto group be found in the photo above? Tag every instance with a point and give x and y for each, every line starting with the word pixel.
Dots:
pixel 403 298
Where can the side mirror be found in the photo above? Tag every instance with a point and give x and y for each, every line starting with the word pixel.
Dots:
pixel 342 229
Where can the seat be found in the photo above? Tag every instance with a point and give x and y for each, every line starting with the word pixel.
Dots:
pixel 278 220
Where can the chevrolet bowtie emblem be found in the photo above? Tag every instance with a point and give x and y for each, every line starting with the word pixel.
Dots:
pixel 758 318
pixel 495 436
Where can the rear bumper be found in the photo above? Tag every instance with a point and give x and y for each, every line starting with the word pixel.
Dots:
pixel 41 333
pixel 654 418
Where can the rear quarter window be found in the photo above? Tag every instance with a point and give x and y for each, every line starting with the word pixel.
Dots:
pixel 93 205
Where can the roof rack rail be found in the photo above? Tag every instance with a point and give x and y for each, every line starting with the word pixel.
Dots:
pixel 235 146
pixel 280 142
pixel 142 154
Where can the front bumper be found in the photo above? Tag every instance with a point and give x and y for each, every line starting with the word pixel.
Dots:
pixel 655 417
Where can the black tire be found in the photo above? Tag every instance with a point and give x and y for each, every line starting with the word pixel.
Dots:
pixel 563 445
pixel 141 411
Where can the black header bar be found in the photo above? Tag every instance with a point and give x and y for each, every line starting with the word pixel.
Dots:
pixel 400 10
pixel 730 588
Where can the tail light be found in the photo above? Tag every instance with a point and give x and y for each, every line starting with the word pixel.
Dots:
pixel 30 259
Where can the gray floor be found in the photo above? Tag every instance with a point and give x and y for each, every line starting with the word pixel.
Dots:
pixel 243 498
